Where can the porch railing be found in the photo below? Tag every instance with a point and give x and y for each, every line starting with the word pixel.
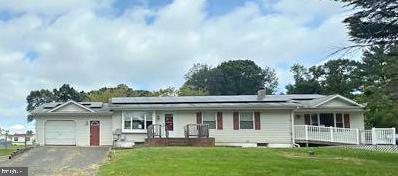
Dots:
pixel 196 131
pixel 385 136
pixel 382 136
pixel 157 131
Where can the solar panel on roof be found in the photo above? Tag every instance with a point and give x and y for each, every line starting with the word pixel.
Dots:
pixel 51 105
pixel 95 106
pixel 207 99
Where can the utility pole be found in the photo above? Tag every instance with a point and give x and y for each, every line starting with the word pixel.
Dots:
pixel 25 140
pixel 6 139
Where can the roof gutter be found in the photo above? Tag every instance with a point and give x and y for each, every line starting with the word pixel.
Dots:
pixel 199 108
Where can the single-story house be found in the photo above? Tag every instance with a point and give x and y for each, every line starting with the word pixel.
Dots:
pixel 19 139
pixel 239 120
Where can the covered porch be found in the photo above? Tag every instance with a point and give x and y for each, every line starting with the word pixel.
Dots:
pixel 335 125
pixel 330 118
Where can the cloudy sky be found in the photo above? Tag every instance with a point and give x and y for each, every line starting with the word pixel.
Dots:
pixel 151 44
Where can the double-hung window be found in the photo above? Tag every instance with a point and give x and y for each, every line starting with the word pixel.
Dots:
pixel 209 118
pixel 339 120
pixel 136 121
pixel 246 120
pixel 314 119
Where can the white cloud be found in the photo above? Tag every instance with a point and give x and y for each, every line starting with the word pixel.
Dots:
pixel 77 45
pixel 18 128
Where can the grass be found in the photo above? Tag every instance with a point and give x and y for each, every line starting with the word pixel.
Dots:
pixel 9 150
pixel 187 161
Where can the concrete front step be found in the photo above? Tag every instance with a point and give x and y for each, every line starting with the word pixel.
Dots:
pixel 177 142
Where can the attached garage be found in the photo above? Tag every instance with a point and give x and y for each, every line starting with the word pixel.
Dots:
pixel 60 132
pixel 74 124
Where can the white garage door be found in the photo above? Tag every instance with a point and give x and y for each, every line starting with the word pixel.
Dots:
pixel 59 132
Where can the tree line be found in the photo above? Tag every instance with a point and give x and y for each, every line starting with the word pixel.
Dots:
pixel 372 81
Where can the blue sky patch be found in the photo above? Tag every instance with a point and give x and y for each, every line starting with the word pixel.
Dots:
pixel 6 15
pixel 120 6
pixel 31 55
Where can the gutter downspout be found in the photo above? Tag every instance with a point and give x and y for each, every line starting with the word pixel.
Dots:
pixel 292 121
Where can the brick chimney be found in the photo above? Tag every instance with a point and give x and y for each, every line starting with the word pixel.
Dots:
pixel 261 93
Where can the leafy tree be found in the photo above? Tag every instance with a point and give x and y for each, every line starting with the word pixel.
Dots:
pixel 334 77
pixel 122 90
pixel 304 82
pixel 338 77
pixel 380 81
pixel 37 98
pixel 196 82
pixel 186 90
pixel 244 77
pixel 375 22
pixel 235 77
pixel 66 93
pixel 29 132
pixel 197 77
pixel 170 91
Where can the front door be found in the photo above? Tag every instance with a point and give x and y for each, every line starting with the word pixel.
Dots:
pixel 169 124
pixel 94 133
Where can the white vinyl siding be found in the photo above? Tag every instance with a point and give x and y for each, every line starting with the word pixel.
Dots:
pixel 275 127
pixel 336 103
pixel 357 120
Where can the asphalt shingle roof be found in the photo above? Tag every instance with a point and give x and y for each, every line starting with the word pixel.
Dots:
pixel 200 102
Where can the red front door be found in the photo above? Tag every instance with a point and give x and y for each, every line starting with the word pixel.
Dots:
pixel 168 119
pixel 94 133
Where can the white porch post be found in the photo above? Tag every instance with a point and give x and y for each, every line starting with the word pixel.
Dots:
pixel 154 117
pixel 331 134
pixel 306 132
pixel 393 135
pixel 374 136
pixel 293 128
pixel 358 137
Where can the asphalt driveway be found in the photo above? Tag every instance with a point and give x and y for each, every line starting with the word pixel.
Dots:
pixel 60 160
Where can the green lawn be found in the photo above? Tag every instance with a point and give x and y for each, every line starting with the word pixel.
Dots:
pixel 250 161
pixel 9 150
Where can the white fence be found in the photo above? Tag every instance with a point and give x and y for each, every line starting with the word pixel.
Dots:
pixel 385 136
